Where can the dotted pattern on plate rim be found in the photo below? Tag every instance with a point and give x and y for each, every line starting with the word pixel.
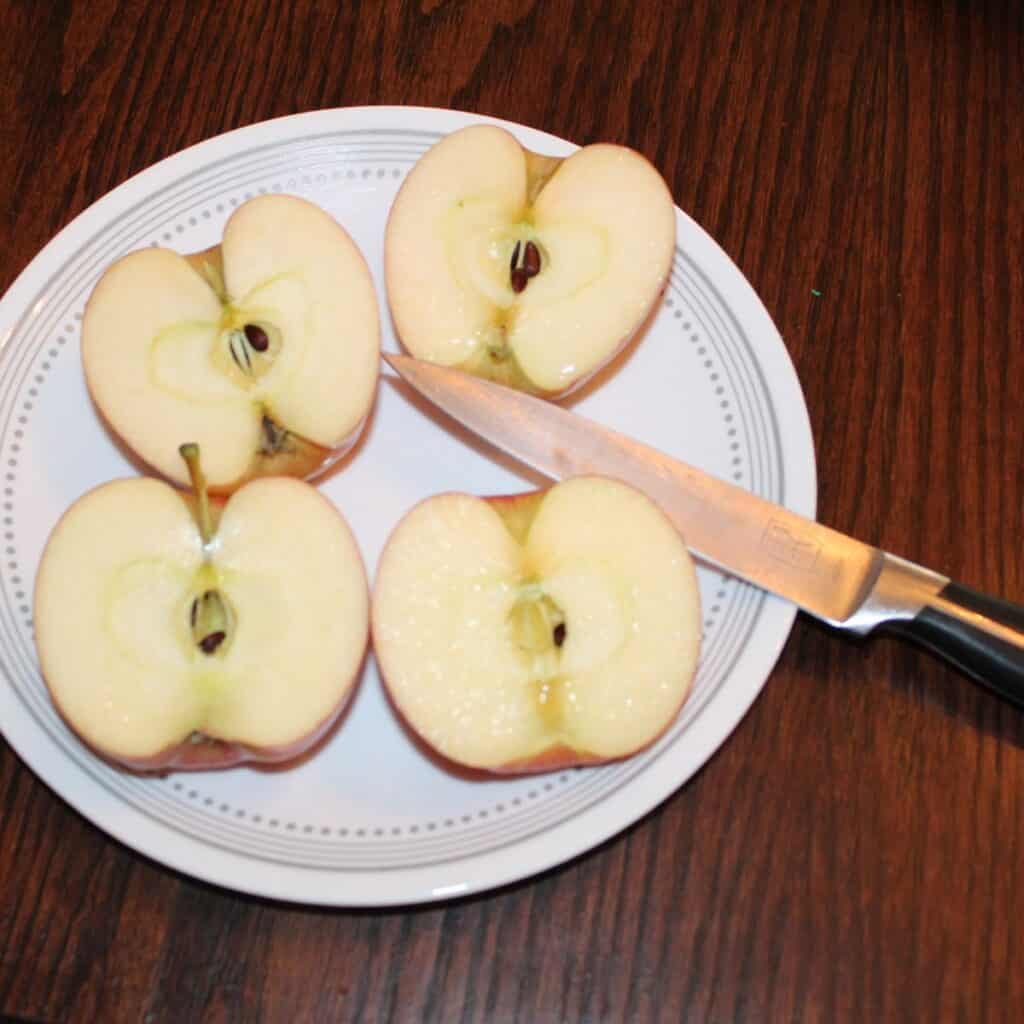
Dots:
pixel 12 455
pixel 286 825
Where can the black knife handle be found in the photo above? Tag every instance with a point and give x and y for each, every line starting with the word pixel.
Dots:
pixel 980 634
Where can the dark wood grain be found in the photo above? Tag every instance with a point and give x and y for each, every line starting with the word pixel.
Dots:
pixel 852 852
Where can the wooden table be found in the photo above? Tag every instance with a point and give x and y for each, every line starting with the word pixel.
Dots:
pixel 853 851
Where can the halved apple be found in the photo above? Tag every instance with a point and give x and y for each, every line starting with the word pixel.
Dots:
pixel 538 631
pixel 179 637
pixel 529 270
pixel 265 349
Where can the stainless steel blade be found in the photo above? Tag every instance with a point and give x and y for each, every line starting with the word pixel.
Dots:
pixel 834 577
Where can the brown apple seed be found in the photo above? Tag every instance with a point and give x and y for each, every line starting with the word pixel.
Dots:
pixel 531 260
pixel 212 641
pixel 525 263
pixel 257 337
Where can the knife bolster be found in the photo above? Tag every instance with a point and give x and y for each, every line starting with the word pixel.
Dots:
pixel 899 592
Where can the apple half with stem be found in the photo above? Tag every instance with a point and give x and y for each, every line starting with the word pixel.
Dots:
pixel 264 349
pixel 537 631
pixel 529 270
pixel 180 633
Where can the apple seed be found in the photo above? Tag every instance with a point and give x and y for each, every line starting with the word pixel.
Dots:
pixel 531 260
pixel 212 641
pixel 257 337
pixel 210 618
pixel 251 348
pixel 525 263
pixel 558 634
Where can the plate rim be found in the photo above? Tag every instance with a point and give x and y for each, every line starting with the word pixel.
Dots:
pixel 533 855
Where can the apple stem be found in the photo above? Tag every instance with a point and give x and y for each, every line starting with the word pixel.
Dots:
pixel 190 453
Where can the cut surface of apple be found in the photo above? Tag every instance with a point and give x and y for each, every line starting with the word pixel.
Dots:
pixel 529 270
pixel 164 651
pixel 537 631
pixel 264 350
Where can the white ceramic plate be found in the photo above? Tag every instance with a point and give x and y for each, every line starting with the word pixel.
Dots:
pixel 370 820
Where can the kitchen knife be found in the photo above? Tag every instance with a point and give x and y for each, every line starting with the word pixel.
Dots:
pixel 844 582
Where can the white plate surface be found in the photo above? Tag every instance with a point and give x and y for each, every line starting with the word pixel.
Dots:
pixel 370 820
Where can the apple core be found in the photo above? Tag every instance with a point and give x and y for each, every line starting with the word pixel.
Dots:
pixel 211 617
pixel 253 347
pixel 211 621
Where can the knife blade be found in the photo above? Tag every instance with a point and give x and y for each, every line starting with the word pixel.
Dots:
pixel 844 582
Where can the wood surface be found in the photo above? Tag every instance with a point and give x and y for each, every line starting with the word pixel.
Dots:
pixel 853 851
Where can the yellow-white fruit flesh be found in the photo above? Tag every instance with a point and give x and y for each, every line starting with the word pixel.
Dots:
pixel 155 352
pixel 113 596
pixel 604 225
pixel 444 624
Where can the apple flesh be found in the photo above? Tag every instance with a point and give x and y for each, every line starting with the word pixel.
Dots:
pixel 528 270
pixel 538 631
pixel 264 350
pixel 163 651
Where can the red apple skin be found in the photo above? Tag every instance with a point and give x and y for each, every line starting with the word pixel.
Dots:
pixel 642 324
pixel 559 757
pixel 315 461
pixel 624 342
pixel 517 512
pixel 212 753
